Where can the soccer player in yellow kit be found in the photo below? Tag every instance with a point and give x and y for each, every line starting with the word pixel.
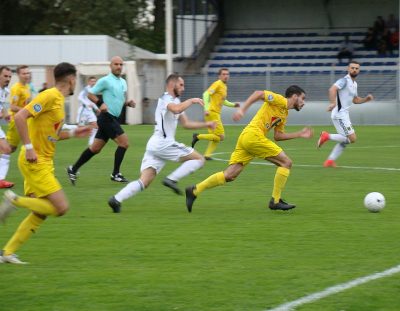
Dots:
pixel 252 143
pixel 20 95
pixel 213 100
pixel 44 195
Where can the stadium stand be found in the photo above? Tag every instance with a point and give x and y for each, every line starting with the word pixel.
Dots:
pixel 258 52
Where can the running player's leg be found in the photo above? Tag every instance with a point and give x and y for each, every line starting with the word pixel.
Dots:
pixel 150 167
pixel 46 197
pixel 217 135
pixel 345 135
pixel 123 144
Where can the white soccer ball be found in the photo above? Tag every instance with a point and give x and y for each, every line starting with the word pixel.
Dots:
pixel 374 201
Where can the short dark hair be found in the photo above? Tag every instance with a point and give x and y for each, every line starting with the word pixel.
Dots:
pixel 91 77
pixel 293 89
pixel 172 77
pixel 4 68
pixel 353 62
pixel 19 68
pixel 63 70
pixel 222 69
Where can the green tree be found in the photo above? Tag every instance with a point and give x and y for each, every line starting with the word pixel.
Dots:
pixel 130 21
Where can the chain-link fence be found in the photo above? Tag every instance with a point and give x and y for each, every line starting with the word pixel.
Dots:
pixel 382 84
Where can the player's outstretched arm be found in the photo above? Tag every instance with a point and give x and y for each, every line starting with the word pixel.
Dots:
pixel 362 100
pixel 22 126
pixel 189 124
pixel 257 95
pixel 306 132
pixel 178 108
pixel 81 131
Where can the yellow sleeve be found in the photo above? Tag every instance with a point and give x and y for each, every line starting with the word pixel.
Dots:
pixel 275 99
pixel 39 104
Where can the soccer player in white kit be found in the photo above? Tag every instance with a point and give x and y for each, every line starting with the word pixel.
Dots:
pixel 87 110
pixel 5 148
pixel 163 147
pixel 342 94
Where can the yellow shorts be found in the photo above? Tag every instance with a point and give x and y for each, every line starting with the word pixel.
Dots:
pixel 252 145
pixel 12 134
pixel 39 178
pixel 216 117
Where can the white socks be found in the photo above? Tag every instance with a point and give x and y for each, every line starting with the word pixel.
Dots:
pixel 130 190
pixel 4 165
pixel 337 151
pixel 339 138
pixel 137 186
pixel 185 169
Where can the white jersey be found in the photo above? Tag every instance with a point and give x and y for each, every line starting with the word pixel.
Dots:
pixel 162 146
pixel 166 123
pixel 85 113
pixel 84 101
pixel 4 92
pixel 347 90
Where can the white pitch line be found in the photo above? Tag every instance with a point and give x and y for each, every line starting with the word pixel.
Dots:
pixel 335 289
pixel 313 165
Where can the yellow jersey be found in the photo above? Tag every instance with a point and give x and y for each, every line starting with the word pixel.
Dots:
pixel 20 95
pixel 218 92
pixel 272 113
pixel 44 127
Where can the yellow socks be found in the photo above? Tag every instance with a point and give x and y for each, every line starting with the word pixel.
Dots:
pixel 281 176
pixel 27 227
pixel 37 205
pixel 210 137
pixel 212 181
pixel 212 145
pixel 213 142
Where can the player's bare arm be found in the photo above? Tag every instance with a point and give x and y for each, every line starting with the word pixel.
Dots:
pixel 21 123
pixel 79 132
pixel 189 124
pixel 256 96
pixel 178 108
pixel 306 132
pixel 15 108
pixel 362 100
pixel 332 94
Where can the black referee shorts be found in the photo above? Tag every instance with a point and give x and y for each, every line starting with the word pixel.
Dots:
pixel 109 127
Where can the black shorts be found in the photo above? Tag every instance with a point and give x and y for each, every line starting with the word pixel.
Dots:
pixel 109 127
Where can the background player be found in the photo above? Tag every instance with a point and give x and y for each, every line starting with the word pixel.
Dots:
pixel 163 147
pixel 20 95
pixel 214 97
pixel 5 149
pixel 87 109
pixel 342 94
pixel 253 143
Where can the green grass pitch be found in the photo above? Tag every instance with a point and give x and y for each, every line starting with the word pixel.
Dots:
pixel 231 252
